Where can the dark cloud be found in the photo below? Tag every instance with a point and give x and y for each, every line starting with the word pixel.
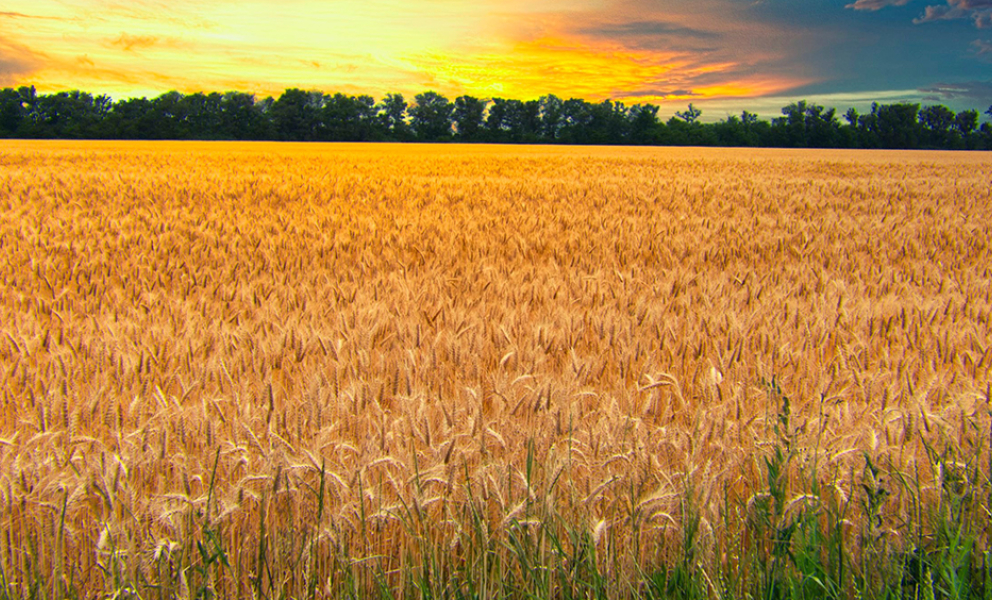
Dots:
pixel 637 29
pixel 652 34
pixel 875 4
pixel 131 43
pixel 974 91
pixel 661 93
pixel 979 11
pixel 16 61
pixel 983 49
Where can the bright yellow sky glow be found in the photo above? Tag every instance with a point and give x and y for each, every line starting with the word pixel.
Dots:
pixel 487 48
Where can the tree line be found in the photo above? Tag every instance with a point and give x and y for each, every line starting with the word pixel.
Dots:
pixel 299 115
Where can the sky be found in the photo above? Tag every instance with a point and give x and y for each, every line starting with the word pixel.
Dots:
pixel 724 56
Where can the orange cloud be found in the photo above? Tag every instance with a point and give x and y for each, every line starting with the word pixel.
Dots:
pixel 546 66
pixel 756 87
pixel 575 68
pixel 6 14
pixel 629 50
pixel 134 42
pixel 16 62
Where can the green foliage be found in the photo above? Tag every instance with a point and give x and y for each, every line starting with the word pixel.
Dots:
pixel 301 115
pixel 430 117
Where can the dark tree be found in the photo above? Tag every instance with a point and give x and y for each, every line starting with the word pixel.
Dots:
pixel 897 125
pixel 985 136
pixel 730 132
pixel 643 124
pixel 754 130
pixel 937 118
pixel 368 116
pixel 72 115
pixel 689 115
pixel 966 122
pixel 791 128
pixel 736 131
pixel 134 119
pixel 676 133
pixel 469 115
pixel 392 117
pixel 514 121
pixel 300 115
pixel 608 123
pixel 823 129
pixel 499 121
pixel 296 115
pixel 685 129
pixel 937 121
pixel 203 115
pixel 339 118
pixel 529 121
pixel 12 112
pixel 576 115
pixel 349 118
pixel 745 130
pixel 552 117
pixel 806 125
pixel 29 126
pixel 241 118
pixel 431 117
pixel 867 130
pixel 172 122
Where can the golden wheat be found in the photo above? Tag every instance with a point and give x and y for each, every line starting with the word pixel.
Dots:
pixel 434 331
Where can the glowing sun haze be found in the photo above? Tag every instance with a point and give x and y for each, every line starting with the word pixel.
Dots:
pixel 632 50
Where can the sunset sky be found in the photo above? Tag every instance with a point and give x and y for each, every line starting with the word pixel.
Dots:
pixel 722 55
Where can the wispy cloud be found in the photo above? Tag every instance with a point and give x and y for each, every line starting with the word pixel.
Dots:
pixel 645 50
pixel 771 106
pixel 979 11
pixel 547 65
pixel 5 14
pixel 130 43
pixel 178 14
pixel 573 67
pixel 983 48
pixel 875 4
pixel 651 34
pixel 978 92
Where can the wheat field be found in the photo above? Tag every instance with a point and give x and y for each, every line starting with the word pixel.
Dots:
pixel 281 370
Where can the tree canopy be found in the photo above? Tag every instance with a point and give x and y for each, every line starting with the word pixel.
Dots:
pixel 301 115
